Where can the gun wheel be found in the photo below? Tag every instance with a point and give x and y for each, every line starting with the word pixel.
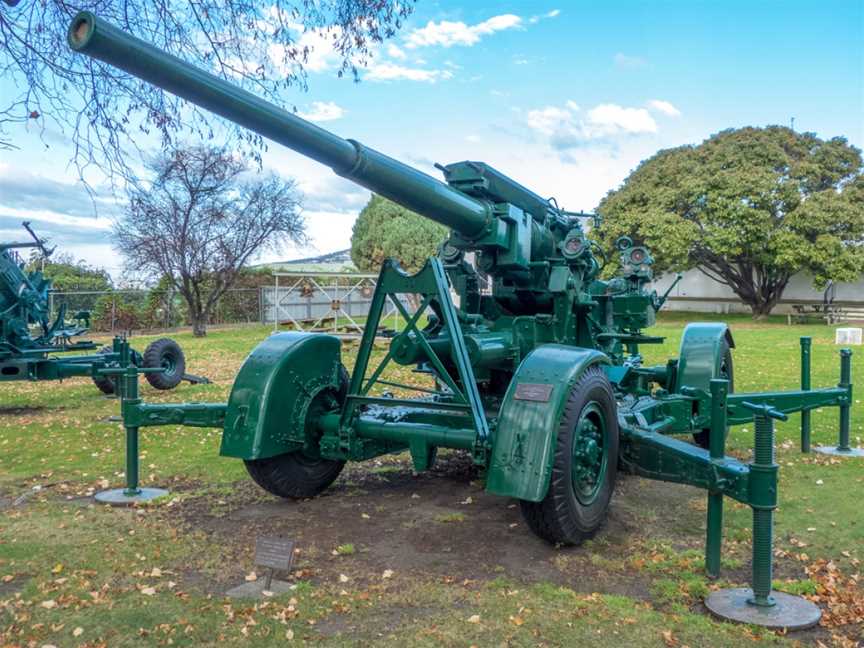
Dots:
pixel 294 475
pixel 165 353
pixel 584 468
pixel 725 370
pixel 302 473
pixel 106 384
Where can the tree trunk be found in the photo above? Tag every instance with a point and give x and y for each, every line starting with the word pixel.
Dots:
pixel 761 310
pixel 757 287
pixel 199 324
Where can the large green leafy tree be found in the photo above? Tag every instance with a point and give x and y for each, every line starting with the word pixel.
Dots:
pixel 749 208
pixel 77 283
pixel 67 274
pixel 385 229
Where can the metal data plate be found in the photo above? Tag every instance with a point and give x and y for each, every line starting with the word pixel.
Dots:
pixel 276 553
pixel 538 392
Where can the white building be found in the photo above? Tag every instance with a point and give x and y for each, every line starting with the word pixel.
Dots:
pixel 696 292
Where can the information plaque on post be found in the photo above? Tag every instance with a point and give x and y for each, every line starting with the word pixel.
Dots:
pixel 276 554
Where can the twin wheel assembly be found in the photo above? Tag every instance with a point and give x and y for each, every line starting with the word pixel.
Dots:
pixel 583 471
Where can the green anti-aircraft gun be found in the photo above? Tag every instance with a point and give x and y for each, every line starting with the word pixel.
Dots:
pixel 32 347
pixel 540 379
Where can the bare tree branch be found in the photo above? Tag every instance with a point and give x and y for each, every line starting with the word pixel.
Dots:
pixel 263 47
pixel 201 219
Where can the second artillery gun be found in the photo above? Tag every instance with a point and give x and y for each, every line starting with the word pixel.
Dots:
pixel 540 378
pixel 35 346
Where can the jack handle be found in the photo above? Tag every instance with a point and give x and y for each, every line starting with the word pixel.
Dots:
pixel 659 303
pixel 765 410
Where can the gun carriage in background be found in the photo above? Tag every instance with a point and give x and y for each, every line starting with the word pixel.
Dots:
pixel 33 347
pixel 541 380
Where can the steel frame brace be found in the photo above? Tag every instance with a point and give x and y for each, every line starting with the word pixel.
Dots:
pixel 657 456
pixel 139 414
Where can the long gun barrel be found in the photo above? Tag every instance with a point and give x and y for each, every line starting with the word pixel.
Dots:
pixel 367 167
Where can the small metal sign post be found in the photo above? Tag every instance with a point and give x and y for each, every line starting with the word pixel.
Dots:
pixel 274 554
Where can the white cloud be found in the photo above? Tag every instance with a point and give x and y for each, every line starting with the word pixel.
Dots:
pixel 393 72
pixel 394 51
pixel 473 139
pixel 664 107
pixel 51 217
pixel 448 33
pixel 321 57
pixel 323 111
pixel 318 45
pixel 567 130
pixel 550 119
pixel 549 14
pixel 629 62
pixel 611 119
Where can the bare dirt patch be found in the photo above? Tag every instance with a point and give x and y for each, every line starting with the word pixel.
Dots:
pixel 24 410
pixel 380 516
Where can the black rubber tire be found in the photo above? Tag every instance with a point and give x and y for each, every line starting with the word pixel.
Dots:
pixel 727 370
pixel 160 353
pixel 560 518
pixel 295 475
pixel 105 384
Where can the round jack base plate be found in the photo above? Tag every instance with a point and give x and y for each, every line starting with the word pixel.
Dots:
pixel 833 450
pixel 789 612
pixel 119 497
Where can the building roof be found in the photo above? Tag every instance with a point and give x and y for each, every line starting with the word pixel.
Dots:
pixel 339 261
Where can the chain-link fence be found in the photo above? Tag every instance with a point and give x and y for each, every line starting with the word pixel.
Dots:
pixel 127 310
pixel 331 301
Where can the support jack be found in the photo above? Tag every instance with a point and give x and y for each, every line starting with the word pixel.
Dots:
pixel 128 390
pixel 843 447
pixel 759 605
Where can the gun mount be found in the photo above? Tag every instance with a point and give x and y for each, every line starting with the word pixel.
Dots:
pixel 33 347
pixel 540 379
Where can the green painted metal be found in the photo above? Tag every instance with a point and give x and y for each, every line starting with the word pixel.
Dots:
pixel 590 454
pixel 500 365
pixel 846 405
pixel 843 447
pixel 205 415
pixel 129 394
pixel 657 456
pixel 384 175
pixel 788 402
pixel 700 357
pixel 763 512
pixel 430 284
pixel 32 346
pixel 529 419
pixel 759 605
pixel 127 389
pixel 716 451
pixel 274 391
pixel 27 335
pixel 806 345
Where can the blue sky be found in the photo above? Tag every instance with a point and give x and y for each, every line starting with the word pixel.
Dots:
pixel 567 97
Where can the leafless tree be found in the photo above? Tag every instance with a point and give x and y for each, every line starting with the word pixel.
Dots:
pixel 263 46
pixel 199 221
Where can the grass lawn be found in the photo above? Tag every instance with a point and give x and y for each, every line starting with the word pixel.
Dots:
pixel 395 558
